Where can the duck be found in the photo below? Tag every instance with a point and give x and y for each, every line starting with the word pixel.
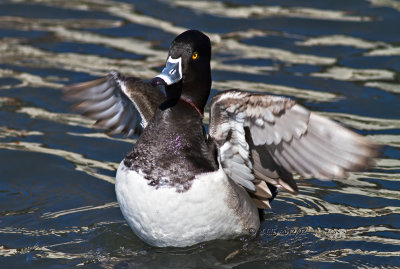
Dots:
pixel 182 184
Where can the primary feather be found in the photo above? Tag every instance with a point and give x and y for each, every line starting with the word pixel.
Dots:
pixel 265 138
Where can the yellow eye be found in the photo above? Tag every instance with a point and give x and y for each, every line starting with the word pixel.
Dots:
pixel 195 55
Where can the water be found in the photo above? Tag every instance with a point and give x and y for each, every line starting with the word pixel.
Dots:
pixel 57 203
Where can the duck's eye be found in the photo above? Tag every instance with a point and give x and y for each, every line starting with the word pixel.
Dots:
pixel 195 55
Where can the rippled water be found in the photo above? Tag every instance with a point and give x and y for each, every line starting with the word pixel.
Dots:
pixel 57 201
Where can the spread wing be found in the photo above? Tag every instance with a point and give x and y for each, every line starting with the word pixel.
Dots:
pixel 265 139
pixel 117 103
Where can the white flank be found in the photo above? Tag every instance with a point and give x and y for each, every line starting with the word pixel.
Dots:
pixel 164 217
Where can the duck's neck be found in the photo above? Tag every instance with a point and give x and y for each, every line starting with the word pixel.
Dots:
pixel 188 101
pixel 173 93
pixel 196 90
pixel 194 94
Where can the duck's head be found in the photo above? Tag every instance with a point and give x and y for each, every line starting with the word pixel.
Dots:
pixel 187 73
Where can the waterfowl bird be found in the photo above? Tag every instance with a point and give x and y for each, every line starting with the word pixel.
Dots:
pixel 180 186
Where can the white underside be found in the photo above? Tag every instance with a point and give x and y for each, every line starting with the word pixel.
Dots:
pixel 164 217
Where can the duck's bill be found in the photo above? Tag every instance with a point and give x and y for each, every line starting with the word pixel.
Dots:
pixel 172 72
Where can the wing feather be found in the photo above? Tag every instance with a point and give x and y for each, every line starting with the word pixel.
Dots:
pixel 266 139
pixel 118 104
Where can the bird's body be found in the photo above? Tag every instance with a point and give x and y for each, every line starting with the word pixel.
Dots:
pixel 213 207
pixel 172 190
pixel 180 186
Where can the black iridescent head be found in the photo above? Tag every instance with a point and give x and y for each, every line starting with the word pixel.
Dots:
pixel 187 73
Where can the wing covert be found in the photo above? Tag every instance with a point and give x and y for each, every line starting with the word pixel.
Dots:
pixel 270 138
pixel 118 104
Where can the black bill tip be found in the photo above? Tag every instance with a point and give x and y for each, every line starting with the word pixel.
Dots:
pixel 158 81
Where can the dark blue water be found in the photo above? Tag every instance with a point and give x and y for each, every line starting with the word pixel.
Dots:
pixel 57 203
